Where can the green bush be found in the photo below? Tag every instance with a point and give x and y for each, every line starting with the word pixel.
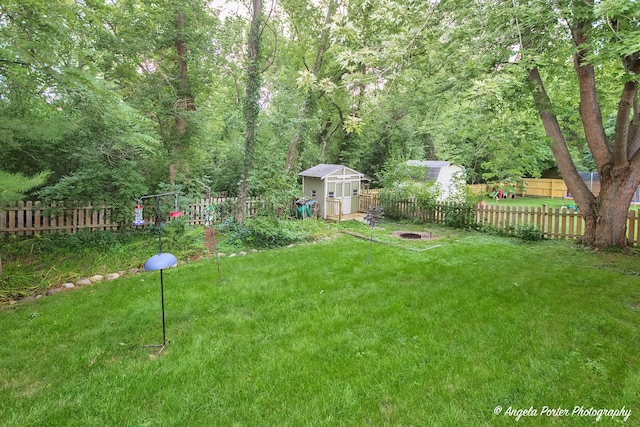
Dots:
pixel 270 232
pixel 418 195
pixel 179 236
pixel 267 232
pixel 492 230
pixel 236 233
pixel 529 232
pixel 459 215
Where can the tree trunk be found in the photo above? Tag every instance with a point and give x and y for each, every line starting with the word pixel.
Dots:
pixel 609 221
pixel 184 100
pixel 251 106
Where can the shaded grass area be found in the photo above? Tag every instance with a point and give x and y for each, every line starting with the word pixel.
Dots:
pixel 32 264
pixel 311 335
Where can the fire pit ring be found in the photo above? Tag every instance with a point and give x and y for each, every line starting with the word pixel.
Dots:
pixel 410 236
pixel 413 235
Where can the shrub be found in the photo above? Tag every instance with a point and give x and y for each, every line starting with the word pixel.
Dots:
pixel 269 231
pixel 237 233
pixel 529 232
pixel 459 215
pixel 418 194
pixel 181 237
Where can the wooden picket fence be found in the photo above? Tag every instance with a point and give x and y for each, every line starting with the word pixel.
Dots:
pixel 28 218
pixel 554 223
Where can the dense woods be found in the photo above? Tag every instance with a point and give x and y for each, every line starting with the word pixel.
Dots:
pixel 110 100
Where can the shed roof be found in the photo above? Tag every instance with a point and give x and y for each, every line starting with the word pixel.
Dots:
pixel 323 170
pixel 433 167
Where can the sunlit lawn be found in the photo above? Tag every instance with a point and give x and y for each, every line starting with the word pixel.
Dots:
pixel 530 202
pixel 313 335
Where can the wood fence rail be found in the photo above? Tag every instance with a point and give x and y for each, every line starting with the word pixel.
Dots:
pixel 28 218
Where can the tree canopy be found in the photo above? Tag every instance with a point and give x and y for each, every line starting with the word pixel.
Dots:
pixel 117 99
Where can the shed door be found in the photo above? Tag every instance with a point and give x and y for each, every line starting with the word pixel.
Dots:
pixel 346 198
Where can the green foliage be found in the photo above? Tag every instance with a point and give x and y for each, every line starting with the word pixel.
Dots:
pixel 32 264
pixel 13 186
pixel 401 183
pixel 424 195
pixel 493 230
pixel 178 236
pixel 397 172
pixel 236 233
pixel 267 231
pixel 458 214
pixel 117 186
pixel 422 198
pixel 530 232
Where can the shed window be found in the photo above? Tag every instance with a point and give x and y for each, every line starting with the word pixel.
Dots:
pixel 313 193
pixel 332 194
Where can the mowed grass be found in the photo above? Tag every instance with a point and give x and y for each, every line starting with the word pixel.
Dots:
pixel 531 202
pixel 312 335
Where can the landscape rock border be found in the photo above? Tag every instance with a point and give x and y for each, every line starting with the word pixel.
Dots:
pixel 96 278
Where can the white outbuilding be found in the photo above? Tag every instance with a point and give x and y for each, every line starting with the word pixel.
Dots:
pixel 327 181
pixel 445 174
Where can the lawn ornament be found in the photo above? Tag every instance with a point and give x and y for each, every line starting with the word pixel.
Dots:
pixel 373 216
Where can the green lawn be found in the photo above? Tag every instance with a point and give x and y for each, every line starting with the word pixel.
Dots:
pixel 530 202
pixel 312 335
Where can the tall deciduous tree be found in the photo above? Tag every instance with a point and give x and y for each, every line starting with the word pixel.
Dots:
pixel 573 55
pixel 251 104
pixel 600 34
pixel 311 74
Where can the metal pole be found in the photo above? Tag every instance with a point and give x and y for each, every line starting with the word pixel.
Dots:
pixel 158 225
pixel 370 247
pixel 164 335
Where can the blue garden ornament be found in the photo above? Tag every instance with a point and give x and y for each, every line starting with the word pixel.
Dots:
pixel 160 262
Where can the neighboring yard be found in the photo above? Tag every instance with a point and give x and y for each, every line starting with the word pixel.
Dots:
pixel 530 202
pixel 433 332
